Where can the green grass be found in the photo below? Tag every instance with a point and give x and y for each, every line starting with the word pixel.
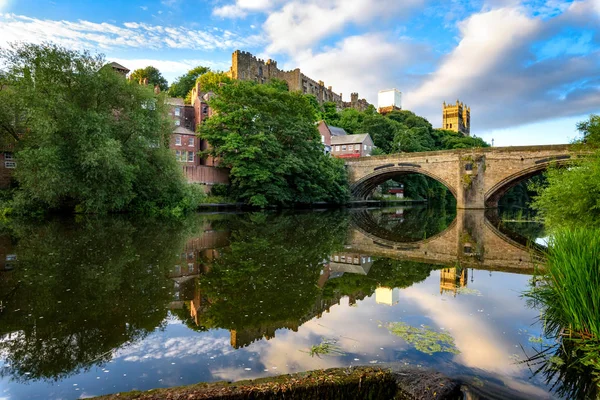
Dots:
pixel 569 292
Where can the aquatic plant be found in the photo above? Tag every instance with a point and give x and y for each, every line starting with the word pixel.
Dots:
pixel 326 347
pixel 568 293
pixel 424 339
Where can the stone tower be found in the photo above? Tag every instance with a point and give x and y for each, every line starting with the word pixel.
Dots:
pixel 457 118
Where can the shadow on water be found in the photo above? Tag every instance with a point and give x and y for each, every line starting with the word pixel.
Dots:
pixel 74 292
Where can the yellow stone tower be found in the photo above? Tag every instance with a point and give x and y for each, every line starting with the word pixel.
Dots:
pixel 457 118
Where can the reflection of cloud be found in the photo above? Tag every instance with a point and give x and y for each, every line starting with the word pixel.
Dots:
pixel 157 347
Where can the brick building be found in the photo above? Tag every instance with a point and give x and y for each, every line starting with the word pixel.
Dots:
pixel 246 67
pixel 350 146
pixel 327 132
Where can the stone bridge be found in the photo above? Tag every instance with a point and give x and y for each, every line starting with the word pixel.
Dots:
pixel 476 177
pixel 472 240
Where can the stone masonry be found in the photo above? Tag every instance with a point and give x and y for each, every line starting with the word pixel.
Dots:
pixel 476 177
pixel 246 67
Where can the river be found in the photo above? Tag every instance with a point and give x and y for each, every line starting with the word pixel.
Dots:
pixel 92 306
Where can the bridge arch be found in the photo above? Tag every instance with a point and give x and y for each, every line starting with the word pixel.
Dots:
pixel 362 188
pixel 495 193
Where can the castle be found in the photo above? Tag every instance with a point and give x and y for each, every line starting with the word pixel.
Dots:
pixel 246 67
pixel 457 118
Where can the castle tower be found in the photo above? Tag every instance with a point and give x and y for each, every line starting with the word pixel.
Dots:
pixel 457 118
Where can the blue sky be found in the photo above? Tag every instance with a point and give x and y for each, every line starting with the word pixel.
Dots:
pixel 529 69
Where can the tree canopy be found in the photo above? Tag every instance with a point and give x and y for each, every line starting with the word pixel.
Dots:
pixel 154 77
pixel 572 195
pixel 94 141
pixel 184 84
pixel 268 137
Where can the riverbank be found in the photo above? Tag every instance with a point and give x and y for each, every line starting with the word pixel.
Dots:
pixel 336 383
pixel 351 204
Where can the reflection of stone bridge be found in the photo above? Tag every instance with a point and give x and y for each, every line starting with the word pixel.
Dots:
pixel 476 177
pixel 471 240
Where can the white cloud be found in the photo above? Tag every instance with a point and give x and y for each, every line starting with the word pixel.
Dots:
pixel 363 64
pixel 303 23
pixel 84 35
pixel 495 70
pixel 170 69
pixel 241 8
pixel 144 8
pixel 3 5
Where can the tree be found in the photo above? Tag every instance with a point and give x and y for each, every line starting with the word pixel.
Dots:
pixel 184 84
pixel 269 139
pixel 94 142
pixel 211 81
pixel 572 195
pixel 153 75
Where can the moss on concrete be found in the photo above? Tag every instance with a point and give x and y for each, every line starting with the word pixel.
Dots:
pixel 337 383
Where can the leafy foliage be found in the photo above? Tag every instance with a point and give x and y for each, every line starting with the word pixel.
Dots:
pixel 211 81
pixel 94 142
pixel 184 84
pixel 572 195
pixel 153 75
pixel 268 137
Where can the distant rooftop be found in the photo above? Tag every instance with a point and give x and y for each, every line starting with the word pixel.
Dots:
pixel 335 131
pixel 119 67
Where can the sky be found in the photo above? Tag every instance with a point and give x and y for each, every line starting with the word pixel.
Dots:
pixel 529 70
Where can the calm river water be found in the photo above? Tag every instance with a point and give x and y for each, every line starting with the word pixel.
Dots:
pixel 97 306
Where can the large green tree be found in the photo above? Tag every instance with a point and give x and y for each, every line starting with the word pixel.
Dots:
pixel 572 195
pixel 268 137
pixel 153 75
pixel 184 84
pixel 93 141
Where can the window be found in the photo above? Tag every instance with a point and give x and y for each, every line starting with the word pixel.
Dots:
pixel 10 164
pixel 190 156
pixel 322 139
pixel 350 148
pixel 191 141
pixel 365 147
pixel 178 140
pixel 469 167
pixel 337 148
pixel 177 122
pixel 8 157
pixel 178 155
pixel 344 148
pixel 177 111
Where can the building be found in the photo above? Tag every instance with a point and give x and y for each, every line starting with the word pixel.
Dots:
pixel 388 101
pixel 397 191
pixel 349 146
pixel 327 132
pixel 183 140
pixel 119 68
pixel 387 296
pixel 246 67
pixel 457 118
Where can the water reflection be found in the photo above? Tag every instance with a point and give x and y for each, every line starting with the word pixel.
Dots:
pixel 237 295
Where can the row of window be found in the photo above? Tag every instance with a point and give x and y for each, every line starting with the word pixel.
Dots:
pixel 184 156
pixel 352 147
pixel 178 140
pixel 8 161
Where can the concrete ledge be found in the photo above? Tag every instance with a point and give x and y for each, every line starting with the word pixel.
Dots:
pixel 336 383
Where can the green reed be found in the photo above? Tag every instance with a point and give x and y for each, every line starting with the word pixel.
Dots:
pixel 569 292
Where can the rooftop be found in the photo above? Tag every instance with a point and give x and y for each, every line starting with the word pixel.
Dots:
pixel 349 139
